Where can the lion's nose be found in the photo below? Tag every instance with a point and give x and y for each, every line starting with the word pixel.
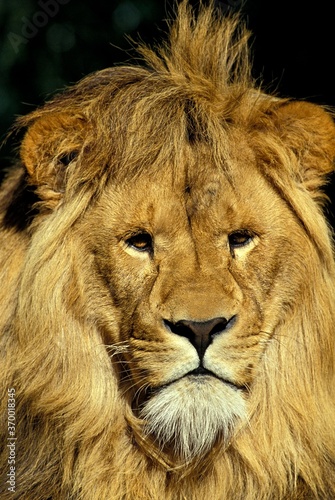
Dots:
pixel 199 333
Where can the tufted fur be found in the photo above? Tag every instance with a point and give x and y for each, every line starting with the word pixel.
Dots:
pixel 150 195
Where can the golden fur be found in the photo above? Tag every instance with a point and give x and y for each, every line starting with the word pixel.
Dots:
pixel 150 199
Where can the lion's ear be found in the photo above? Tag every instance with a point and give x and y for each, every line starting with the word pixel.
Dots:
pixel 309 131
pixel 51 142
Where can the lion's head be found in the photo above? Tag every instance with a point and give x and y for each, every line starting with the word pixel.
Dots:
pixel 168 283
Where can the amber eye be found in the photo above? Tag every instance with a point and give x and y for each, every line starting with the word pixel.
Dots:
pixel 239 238
pixel 141 242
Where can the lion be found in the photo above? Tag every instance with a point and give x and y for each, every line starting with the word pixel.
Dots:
pixel 168 284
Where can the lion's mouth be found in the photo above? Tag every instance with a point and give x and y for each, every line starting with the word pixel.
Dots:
pixel 200 375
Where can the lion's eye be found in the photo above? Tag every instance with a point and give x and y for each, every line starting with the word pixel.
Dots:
pixel 239 238
pixel 141 242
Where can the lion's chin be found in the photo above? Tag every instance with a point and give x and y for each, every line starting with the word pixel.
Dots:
pixel 191 414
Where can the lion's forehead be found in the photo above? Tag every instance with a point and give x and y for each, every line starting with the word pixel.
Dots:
pixel 167 206
pixel 211 197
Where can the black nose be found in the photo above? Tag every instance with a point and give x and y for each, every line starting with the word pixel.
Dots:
pixel 199 333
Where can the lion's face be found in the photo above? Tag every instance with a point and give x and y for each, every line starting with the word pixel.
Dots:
pixel 198 269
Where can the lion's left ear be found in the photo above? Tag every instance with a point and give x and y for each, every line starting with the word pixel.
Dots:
pixel 309 131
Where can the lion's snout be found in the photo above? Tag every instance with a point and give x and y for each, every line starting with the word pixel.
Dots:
pixel 199 333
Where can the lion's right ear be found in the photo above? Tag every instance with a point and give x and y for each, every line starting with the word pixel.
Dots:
pixel 52 141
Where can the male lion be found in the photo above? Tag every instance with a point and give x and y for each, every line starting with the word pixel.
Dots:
pixel 168 285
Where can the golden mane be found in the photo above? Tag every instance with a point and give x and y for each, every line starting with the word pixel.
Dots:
pixel 77 435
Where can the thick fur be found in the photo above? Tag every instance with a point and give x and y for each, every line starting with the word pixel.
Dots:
pixel 153 195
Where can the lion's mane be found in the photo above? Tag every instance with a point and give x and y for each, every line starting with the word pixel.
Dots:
pixel 77 436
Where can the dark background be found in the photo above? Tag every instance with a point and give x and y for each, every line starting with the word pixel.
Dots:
pixel 48 44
